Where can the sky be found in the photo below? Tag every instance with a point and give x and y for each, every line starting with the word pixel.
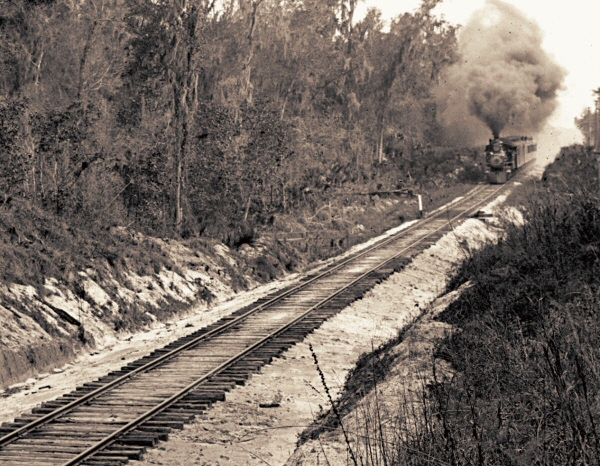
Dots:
pixel 572 36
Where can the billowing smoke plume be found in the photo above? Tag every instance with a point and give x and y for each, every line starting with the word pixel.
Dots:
pixel 503 78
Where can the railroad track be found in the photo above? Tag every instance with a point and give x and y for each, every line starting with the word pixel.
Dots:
pixel 115 418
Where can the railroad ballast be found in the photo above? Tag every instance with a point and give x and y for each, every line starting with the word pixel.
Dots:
pixel 503 156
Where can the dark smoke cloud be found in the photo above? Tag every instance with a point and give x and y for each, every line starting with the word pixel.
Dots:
pixel 503 82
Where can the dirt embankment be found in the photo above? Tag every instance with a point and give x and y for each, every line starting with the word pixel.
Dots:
pixel 46 324
pixel 65 291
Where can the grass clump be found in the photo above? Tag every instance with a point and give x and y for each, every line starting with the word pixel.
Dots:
pixel 526 349
pixel 524 353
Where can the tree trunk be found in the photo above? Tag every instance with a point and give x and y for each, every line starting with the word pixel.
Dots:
pixel 180 158
pixel 247 209
pixel 178 212
pixel 84 56
pixel 380 145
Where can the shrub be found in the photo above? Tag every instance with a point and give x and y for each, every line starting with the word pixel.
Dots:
pixel 525 352
pixel 529 343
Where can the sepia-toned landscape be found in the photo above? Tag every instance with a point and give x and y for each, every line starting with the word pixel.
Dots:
pixel 293 232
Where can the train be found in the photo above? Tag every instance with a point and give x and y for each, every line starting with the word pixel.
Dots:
pixel 504 156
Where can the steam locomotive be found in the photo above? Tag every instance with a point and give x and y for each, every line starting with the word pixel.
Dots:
pixel 504 156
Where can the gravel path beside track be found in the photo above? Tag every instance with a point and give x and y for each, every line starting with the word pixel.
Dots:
pixel 260 422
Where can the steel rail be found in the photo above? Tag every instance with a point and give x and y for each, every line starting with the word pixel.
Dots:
pixel 14 435
pixel 20 432
pixel 108 440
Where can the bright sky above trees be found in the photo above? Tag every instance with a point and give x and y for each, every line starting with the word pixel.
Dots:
pixel 572 36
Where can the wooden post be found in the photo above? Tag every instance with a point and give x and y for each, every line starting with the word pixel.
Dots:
pixel 420 206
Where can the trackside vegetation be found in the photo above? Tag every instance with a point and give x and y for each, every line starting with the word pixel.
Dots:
pixel 527 340
pixel 525 348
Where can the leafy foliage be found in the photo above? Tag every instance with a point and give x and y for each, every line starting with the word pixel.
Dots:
pixel 186 119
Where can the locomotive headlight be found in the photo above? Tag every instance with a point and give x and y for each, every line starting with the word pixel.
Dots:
pixel 496 160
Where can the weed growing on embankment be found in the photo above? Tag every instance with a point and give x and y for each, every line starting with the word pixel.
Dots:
pixel 516 381
pixel 526 345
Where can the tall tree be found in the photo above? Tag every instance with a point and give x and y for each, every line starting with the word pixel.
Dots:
pixel 168 36
pixel 421 45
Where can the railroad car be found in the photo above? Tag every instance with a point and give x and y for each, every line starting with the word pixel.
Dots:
pixel 503 156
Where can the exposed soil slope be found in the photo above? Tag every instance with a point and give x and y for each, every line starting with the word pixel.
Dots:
pixel 64 291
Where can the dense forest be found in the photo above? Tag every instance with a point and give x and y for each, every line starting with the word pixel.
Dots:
pixel 190 117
